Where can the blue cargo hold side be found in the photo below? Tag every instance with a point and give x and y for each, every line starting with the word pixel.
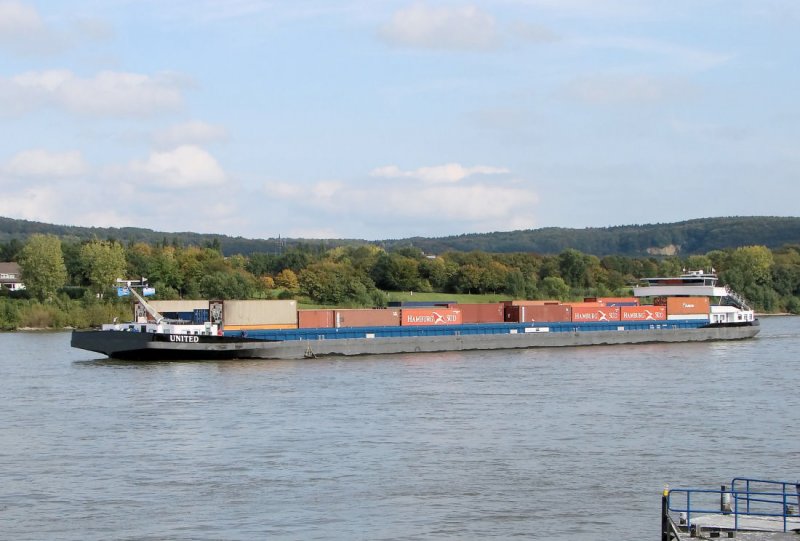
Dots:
pixel 278 335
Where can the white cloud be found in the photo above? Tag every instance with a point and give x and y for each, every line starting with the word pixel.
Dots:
pixel 107 93
pixel 447 173
pixel 480 204
pixel 18 19
pixel 678 55
pixel 36 203
pixel 449 28
pixel 21 27
pixel 41 163
pixel 534 33
pixel 607 9
pixel 282 190
pixel 24 31
pixel 184 167
pixel 426 201
pixel 194 132
pixel 614 89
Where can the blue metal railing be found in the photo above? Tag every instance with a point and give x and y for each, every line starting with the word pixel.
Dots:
pixel 793 488
pixel 755 498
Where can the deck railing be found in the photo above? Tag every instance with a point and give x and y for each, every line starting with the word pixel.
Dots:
pixel 746 498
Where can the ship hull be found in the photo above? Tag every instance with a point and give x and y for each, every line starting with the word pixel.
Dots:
pixel 151 346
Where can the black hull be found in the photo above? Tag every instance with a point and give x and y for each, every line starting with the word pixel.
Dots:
pixel 148 346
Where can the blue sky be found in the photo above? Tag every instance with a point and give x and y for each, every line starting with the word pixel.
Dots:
pixel 388 119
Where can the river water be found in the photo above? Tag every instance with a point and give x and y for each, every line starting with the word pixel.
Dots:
pixel 568 443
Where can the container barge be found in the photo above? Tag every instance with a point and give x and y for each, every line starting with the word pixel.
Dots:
pixel 690 307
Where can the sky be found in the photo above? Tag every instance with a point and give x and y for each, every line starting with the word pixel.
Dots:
pixel 378 119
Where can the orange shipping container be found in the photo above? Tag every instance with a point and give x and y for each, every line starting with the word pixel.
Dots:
pixel 314 319
pixel 595 313
pixel 481 313
pixel 643 313
pixel 368 317
pixel 679 306
pixel 431 316
pixel 538 314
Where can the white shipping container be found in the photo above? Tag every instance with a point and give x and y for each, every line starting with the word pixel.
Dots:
pixel 259 312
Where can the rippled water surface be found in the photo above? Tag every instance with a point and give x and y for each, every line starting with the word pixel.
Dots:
pixel 569 443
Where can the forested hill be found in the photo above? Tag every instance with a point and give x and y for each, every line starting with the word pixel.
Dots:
pixel 685 238
pixel 692 237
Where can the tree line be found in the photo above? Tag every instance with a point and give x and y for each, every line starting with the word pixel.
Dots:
pixel 691 237
pixel 79 277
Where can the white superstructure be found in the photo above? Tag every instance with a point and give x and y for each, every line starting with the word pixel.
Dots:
pixel 728 308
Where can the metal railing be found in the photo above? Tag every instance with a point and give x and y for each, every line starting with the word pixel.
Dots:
pixel 787 489
pixel 737 300
pixel 747 498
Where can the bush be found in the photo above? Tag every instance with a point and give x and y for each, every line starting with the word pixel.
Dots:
pixel 9 315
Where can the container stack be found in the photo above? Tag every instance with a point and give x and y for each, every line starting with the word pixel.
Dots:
pixel 283 314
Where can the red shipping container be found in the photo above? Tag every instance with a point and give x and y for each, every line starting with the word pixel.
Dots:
pixel 431 316
pixel 481 313
pixel 595 313
pixel 688 306
pixel 619 301
pixel 549 313
pixel 594 304
pixel 368 317
pixel 643 313
pixel 522 302
pixel 315 319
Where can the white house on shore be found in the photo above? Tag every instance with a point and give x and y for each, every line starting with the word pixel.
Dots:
pixel 11 276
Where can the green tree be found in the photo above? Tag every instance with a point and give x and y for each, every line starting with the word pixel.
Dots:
pixel 103 262
pixel 227 285
pixel 494 277
pixel 468 279
pixel 573 267
pixel 333 283
pixel 287 279
pixel 42 265
pixel 554 287
pixel 435 272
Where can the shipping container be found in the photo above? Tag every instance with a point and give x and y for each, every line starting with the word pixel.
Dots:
pixel 259 312
pixel 420 304
pixel 261 327
pixel 548 313
pixel 688 306
pixel 522 302
pixel 368 317
pixel 315 319
pixel 482 313
pixel 595 313
pixel 619 301
pixel 431 316
pixel 594 304
pixel 643 313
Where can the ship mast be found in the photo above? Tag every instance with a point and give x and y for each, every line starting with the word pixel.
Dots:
pixel 150 310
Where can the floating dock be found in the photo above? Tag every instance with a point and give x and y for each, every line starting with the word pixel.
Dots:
pixel 748 509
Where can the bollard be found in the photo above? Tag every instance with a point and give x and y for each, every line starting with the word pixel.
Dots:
pixel 725 501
